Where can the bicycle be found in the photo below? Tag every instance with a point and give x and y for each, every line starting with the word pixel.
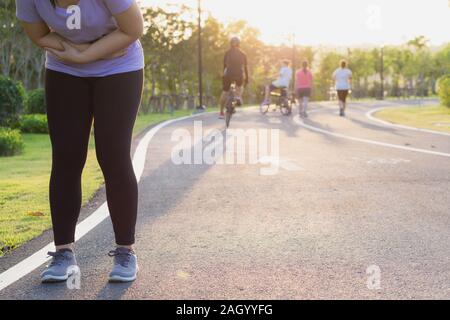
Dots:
pixel 282 101
pixel 232 102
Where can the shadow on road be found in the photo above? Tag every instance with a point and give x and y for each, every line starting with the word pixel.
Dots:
pixel 375 127
pixel 113 291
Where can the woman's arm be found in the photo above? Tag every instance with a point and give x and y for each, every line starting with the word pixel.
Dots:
pixel 130 28
pixel 41 35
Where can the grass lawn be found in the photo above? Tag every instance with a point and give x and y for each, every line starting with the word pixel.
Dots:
pixel 428 117
pixel 24 179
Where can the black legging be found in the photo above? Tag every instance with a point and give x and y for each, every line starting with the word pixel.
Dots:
pixel 73 104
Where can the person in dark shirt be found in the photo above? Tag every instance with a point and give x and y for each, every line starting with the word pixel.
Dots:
pixel 235 70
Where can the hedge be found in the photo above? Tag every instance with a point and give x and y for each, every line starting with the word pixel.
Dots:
pixel 36 102
pixel 444 90
pixel 34 123
pixel 11 142
pixel 12 102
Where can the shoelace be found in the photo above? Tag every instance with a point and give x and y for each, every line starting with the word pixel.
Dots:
pixel 58 258
pixel 123 258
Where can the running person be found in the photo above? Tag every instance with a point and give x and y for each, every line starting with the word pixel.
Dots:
pixel 283 81
pixel 235 70
pixel 343 78
pixel 94 71
pixel 304 85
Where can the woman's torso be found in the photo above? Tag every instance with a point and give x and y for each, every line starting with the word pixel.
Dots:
pixel 285 77
pixel 96 21
pixel 304 79
pixel 342 76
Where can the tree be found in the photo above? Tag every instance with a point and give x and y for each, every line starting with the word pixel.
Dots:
pixel 19 58
pixel 323 79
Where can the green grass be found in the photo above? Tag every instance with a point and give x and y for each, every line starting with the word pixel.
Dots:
pixel 24 179
pixel 143 121
pixel 429 117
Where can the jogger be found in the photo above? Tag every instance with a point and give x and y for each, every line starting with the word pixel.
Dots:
pixel 343 78
pixel 304 85
pixel 73 103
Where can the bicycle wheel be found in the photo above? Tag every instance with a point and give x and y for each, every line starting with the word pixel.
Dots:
pixel 228 117
pixel 229 112
pixel 285 107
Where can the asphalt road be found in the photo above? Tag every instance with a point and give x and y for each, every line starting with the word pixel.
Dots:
pixel 336 207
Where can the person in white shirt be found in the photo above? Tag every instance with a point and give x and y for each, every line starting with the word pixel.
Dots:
pixel 343 78
pixel 283 81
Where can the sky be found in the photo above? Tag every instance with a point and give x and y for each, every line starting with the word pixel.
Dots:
pixel 333 22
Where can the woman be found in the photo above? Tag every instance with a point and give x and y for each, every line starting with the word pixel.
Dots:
pixel 94 71
pixel 304 84
pixel 283 81
pixel 343 78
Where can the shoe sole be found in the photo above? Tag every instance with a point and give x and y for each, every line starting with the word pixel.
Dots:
pixel 119 279
pixel 54 279
pixel 57 279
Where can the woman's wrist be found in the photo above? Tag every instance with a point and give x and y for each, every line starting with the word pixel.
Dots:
pixel 83 58
pixel 81 47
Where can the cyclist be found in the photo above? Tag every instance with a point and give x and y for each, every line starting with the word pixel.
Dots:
pixel 343 78
pixel 235 70
pixel 304 84
pixel 283 81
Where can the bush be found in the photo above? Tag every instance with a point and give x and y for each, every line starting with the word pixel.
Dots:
pixel 444 90
pixel 11 142
pixel 36 102
pixel 34 123
pixel 12 101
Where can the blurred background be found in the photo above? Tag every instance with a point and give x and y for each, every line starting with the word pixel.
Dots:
pixel 395 48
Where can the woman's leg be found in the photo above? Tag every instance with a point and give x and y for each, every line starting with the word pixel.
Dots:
pixel 341 99
pixel 70 120
pixel 305 103
pixel 116 104
pixel 299 99
pixel 344 99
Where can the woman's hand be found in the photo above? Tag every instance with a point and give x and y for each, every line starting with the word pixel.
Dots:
pixel 74 53
pixel 70 54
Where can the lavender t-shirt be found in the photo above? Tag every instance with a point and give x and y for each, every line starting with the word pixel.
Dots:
pixel 96 21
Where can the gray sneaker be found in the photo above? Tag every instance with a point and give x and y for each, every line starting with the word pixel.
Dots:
pixel 63 265
pixel 125 267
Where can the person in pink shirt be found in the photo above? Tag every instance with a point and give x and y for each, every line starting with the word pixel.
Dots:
pixel 304 85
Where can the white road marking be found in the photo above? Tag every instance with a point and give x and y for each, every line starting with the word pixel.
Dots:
pixel 286 164
pixel 378 143
pixel 370 115
pixel 34 261
pixel 388 161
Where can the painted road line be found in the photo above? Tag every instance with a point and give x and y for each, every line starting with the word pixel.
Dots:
pixel 373 142
pixel 370 115
pixel 39 258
